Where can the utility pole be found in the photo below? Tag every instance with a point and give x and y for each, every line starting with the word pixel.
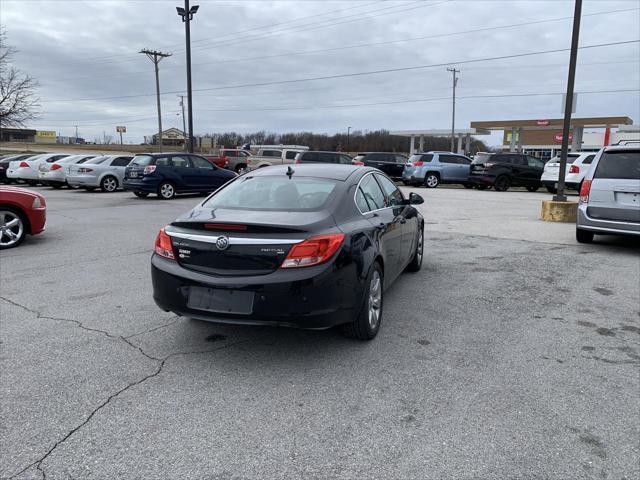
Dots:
pixel 184 128
pixel 156 57
pixel 348 136
pixel 187 14
pixel 568 105
pixel 75 140
pixel 453 115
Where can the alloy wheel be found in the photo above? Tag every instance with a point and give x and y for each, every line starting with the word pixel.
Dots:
pixel 432 181
pixel 375 299
pixel 11 228
pixel 109 184
pixel 166 190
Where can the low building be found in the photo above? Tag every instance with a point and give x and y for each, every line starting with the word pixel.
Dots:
pixel 25 135
pixel 460 134
pixel 171 136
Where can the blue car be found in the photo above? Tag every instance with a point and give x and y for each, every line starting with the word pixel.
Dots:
pixel 433 168
pixel 167 174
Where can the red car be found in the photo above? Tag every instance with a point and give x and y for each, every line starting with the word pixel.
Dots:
pixel 22 212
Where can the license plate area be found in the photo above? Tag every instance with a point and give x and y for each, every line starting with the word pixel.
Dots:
pixel 133 174
pixel 219 300
pixel 628 198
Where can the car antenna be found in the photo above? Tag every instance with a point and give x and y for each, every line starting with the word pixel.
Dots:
pixel 290 172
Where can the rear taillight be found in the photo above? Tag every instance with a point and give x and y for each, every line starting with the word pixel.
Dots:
pixel 164 247
pixel 298 161
pixel 584 191
pixel 55 166
pixel 574 169
pixel 149 169
pixel 417 164
pixel 85 170
pixel 313 251
pixel 24 165
pixel 355 162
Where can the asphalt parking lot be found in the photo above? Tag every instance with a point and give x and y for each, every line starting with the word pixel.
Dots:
pixel 513 353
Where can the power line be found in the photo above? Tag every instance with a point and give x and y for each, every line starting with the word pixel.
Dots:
pixel 373 44
pixel 368 104
pixel 357 74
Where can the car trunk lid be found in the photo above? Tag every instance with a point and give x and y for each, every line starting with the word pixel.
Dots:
pixel 222 246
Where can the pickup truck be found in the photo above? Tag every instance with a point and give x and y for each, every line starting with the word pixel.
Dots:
pixel 272 156
pixel 230 158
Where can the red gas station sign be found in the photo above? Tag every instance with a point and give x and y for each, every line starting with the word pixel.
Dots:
pixel 558 137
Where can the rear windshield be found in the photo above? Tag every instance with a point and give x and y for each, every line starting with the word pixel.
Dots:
pixel 620 165
pixel 97 160
pixel 427 157
pixel 141 160
pixel 481 158
pixel 274 193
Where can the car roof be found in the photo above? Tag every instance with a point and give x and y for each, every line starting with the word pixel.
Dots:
pixel 324 151
pixel 621 148
pixel 331 171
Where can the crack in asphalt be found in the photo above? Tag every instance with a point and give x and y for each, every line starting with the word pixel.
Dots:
pixel 176 319
pixel 79 324
pixel 162 362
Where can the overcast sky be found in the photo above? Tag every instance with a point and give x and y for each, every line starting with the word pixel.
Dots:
pixel 84 54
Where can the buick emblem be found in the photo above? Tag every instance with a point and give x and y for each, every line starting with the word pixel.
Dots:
pixel 222 243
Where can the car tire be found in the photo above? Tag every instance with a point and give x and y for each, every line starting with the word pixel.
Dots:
pixel 367 323
pixel 550 189
pixel 32 183
pixel 109 184
pixel 431 180
pixel 9 215
pixel 584 236
pixel 467 185
pixel 532 189
pixel 416 261
pixel 141 194
pixel 166 191
pixel 502 183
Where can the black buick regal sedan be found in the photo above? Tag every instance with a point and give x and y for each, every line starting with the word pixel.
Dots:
pixel 310 246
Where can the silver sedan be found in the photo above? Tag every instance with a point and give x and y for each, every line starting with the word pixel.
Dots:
pixel 106 172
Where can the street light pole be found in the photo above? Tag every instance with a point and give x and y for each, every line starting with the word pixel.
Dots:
pixel 568 105
pixel 184 128
pixel 348 136
pixel 187 15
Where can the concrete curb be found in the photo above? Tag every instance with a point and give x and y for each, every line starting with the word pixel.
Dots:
pixel 553 211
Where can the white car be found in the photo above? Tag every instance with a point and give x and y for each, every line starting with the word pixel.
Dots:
pixel 55 174
pixel 27 169
pixel 578 164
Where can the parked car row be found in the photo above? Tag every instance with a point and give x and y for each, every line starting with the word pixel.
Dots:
pixel 164 174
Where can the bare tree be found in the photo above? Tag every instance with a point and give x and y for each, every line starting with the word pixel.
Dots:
pixel 108 139
pixel 18 99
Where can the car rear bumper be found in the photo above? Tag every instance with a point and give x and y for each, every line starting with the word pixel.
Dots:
pixel 585 222
pixel 481 180
pixel 83 181
pixel 52 177
pixel 141 185
pixel 23 173
pixel 314 297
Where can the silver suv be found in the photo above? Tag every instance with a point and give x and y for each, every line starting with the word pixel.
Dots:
pixel 610 194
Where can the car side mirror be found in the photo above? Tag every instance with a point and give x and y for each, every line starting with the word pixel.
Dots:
pixel 415 199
